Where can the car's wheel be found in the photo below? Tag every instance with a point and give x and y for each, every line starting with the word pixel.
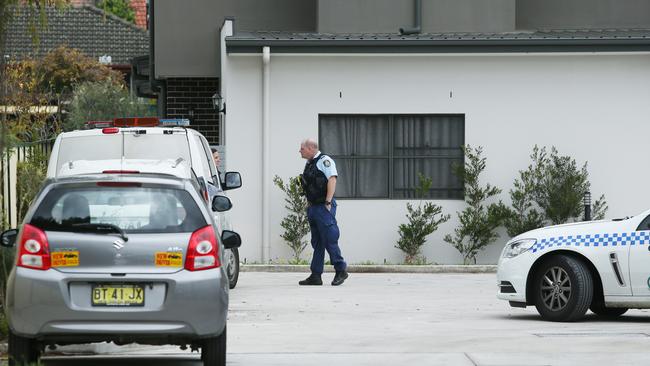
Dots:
pixel 563 289
pixel 233 267
pixel 213 352
pixel 22 351
pixel 599 309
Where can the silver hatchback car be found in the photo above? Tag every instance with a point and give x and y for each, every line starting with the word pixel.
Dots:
pixel 122 258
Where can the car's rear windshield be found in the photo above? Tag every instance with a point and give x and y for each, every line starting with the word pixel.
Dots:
pixel 130 145
pixel 133 209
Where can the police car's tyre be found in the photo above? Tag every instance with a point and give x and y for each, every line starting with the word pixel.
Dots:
pixel 213 352
pixel 233 267
pixel 563 289
pixel 22 351
pixel 599 309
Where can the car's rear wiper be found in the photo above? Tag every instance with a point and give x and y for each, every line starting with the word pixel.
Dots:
pixel 111 227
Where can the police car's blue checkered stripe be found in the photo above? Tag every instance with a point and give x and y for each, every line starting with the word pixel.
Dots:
pixel 594 240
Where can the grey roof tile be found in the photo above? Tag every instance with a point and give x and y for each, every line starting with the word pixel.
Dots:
pixel 86 28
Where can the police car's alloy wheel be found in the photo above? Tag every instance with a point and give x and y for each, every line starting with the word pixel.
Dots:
pixel 563 289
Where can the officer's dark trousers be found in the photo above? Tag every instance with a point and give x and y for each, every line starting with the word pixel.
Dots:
pixel 324 236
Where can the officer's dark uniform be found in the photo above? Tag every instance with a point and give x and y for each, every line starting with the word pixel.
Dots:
pixel 324 230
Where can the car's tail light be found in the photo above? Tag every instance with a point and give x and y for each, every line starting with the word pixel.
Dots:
pixel 34 250
pixel 119 184
pixel 203 250
pixel 121 172
pixel 205 195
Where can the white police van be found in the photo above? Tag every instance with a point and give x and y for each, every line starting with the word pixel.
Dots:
pixel 566 269
pixel 115 145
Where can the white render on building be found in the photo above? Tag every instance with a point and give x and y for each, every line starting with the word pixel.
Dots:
pixel 593 106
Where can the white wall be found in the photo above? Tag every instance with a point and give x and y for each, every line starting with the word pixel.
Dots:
pixel 593 107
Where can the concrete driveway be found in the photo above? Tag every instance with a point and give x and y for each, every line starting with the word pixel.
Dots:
pixel 386 319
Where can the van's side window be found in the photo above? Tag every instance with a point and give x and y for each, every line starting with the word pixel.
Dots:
pixel 208 152
pixel 206 160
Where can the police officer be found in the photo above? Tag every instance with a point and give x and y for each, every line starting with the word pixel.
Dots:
pixel 319 184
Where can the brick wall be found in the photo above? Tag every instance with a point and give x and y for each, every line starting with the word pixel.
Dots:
pixel 192 98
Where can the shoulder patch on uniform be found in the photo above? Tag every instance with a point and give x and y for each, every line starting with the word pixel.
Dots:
pixel 327 163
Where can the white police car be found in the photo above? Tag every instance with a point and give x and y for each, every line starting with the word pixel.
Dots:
pixel 566 269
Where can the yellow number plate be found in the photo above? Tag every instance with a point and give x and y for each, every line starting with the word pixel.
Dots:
pixel 65 259
pixel 117 295
pixel 169 259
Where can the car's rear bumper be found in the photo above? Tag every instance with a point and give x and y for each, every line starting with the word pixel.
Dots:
pixel 54 305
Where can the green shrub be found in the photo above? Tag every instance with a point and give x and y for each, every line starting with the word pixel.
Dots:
pixel 295 224
pixel 550 191
pixel 479 221
pixel 119 8
pixel 423 220
pixel 101 101
pixel 30 175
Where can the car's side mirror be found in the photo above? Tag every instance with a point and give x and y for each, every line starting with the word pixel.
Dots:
pixel 8 238
pixel 232 181
pixel 230 239
pixel 221 204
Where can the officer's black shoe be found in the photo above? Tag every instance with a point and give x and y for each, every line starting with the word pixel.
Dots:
pixel 339 278
pixel 312 280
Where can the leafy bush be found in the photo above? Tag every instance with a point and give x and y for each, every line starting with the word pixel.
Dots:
pixel 422 221
pixel 295 224
pixel 120 8
pixel 30 175
pixel 479 221
pixel 61 69
pixel 97 101
pixel 550 191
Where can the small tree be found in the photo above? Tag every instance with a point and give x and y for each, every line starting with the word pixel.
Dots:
pixel 96 101
pixel 550 191
pixel 295 224
pixel 479 221
pixel 119 8
pixel 422 221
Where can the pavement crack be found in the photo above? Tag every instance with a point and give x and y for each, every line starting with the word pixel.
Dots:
pixel 470 359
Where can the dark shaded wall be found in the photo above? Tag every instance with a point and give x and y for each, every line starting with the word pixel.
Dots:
pixel 387 16
pixel 578 14
pixel 187 32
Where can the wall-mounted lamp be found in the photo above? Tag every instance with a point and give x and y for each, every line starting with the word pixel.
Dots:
pixel 218 103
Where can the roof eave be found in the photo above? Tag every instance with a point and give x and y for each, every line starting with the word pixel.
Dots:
pixel 437 46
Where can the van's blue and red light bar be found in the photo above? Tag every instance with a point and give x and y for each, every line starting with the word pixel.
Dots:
pixel 139 122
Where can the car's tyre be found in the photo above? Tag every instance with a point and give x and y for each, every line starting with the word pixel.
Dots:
pixel 233 267
pixel 599 308
pixel 22 351
pixel 563 289
pixel 213 352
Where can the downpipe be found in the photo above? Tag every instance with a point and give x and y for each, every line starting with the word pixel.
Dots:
pixel 266 151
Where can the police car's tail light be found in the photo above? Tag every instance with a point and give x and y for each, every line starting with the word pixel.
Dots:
pixel 202 251
pixel 34 250
pixel 518 247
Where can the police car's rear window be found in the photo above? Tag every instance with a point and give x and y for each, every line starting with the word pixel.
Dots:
pixel 133 209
